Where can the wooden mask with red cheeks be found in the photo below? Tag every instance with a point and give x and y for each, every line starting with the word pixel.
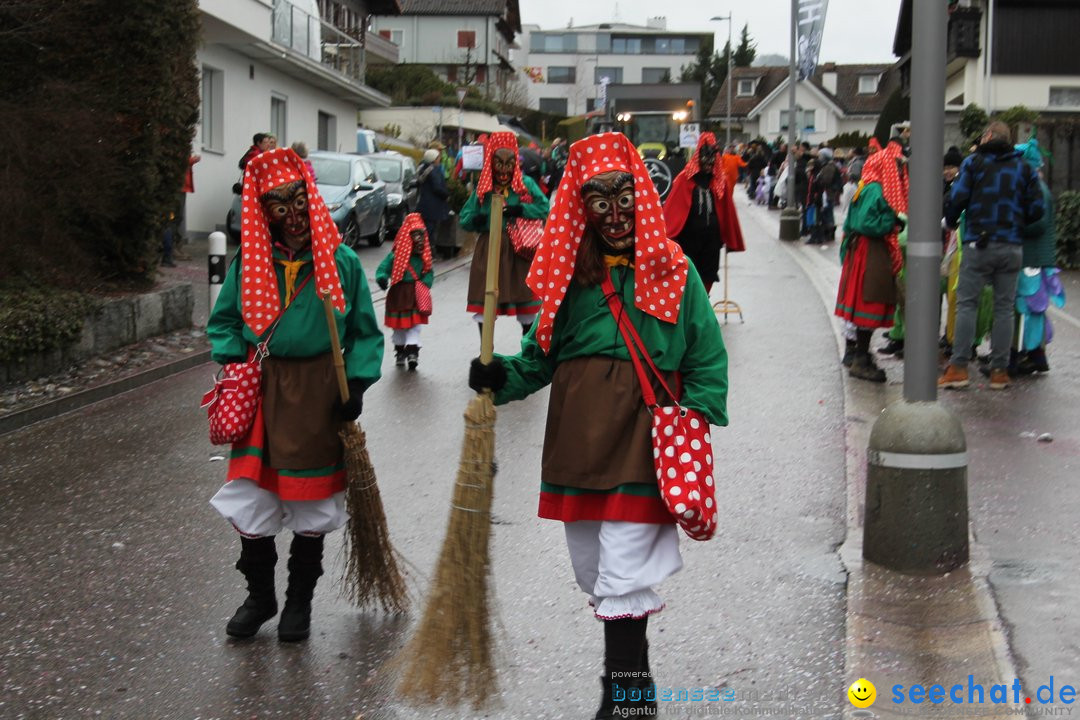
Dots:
pixel 502 168
pixel 286 208
pixel 609 209
pixel 707 158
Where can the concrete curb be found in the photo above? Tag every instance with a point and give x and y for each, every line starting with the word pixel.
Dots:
pixel 54 408
pixel 904 629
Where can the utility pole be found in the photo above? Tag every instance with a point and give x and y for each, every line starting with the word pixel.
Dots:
pixel 730 79
pixel 916 479
pixel 789 218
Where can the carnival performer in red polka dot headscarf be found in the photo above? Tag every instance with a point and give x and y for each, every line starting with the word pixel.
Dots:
pixel 288 472
pixel 402 272
pixel 524 201
pixel 597 474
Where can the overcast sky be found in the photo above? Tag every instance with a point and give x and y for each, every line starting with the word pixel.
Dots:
pixel 856 31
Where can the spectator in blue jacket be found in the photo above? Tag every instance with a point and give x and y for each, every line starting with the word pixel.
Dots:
pixel 1000 194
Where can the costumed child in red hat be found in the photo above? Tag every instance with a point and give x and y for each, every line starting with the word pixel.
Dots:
pixel 288 472
pixel 700 211
pixel 872 258
pixel 502 174
pixel 597 474
pixel 402 271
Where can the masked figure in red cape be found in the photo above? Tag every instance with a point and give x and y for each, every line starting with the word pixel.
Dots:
pixel 597 473
pixel 871 254
pixel 700 211
pixel 408 263
pixel 288 472
pixel 502 174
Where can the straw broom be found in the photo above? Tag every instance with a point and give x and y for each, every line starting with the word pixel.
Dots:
pixel 449 658
pixel 371 572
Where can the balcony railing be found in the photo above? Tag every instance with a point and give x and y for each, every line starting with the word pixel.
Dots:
pixel 309 35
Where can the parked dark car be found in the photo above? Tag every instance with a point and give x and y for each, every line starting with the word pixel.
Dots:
pixel 354 195
pixel 402 191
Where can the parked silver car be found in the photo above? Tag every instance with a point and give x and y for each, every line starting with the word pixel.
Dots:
pixel 402 191
pixel 354 195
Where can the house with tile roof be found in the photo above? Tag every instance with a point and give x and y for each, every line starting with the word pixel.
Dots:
pixel 466 42
pixel 837 99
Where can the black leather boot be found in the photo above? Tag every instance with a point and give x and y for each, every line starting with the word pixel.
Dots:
pixel 399 355
pixel 624 642
pixel 412 355
pixel 305 567
pixel 258 556
pixel 647 684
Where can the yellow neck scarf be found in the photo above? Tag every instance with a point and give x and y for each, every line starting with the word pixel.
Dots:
pixel 616 260
pixel 292 270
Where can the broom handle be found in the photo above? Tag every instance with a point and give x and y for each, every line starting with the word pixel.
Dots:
pixel 491 293
pixel 335 347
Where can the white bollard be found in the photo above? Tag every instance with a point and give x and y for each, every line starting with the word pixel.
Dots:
pixel 216 265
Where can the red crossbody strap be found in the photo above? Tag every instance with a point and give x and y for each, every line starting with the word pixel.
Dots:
pixel 260 347
pixel 634 345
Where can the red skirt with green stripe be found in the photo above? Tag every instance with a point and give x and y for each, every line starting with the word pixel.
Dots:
pixel 632 502
pixel 850 301
pixel 246 461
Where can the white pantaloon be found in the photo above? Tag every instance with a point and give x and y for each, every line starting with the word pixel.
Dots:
pixel 408 337
pixel 618 563
pixel 256 512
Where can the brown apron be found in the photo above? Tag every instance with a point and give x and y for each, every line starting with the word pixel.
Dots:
pixel 879 283
pixel 401 297
pixel 298 400
pixel 599 432
pixel 513 269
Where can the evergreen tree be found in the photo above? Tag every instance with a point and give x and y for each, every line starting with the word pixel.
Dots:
pixel 747 50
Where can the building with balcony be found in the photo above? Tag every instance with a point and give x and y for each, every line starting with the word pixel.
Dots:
pixel 565 66
pixel 1004 53
pixel 466 42
pixel 295 69
pixel 837 99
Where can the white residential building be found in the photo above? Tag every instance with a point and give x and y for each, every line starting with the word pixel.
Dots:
pixel 281 67
pixel 567 64
pixel 462 41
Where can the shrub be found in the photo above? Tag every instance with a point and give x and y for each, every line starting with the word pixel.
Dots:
pixel 849 140
pixel 1067 212
pixel 459 195
pixel 39 319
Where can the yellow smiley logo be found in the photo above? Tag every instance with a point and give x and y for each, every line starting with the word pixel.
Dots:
pixel 862 693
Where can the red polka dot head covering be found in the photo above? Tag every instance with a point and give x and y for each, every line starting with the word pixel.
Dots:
pixel 659 264
pixel 719 181
pixel 496 141
pixel 261 302
pixel 403 247
pixel 887 168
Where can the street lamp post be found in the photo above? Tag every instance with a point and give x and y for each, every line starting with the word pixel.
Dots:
pixel 789 218
pixel 730 80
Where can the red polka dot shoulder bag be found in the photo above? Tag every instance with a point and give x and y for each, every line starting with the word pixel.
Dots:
pixel 682 444
pixel 233 401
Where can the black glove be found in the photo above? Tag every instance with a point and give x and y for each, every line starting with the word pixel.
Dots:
pixel 383 283
pixel 350 409
pixel 512 211
pixel 487 377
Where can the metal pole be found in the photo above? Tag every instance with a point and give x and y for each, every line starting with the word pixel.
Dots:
pixel 730 80
pixel 923 304
pixel 216 265
pixel 789 219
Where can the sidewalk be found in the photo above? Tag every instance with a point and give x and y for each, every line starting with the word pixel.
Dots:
pixel 906 630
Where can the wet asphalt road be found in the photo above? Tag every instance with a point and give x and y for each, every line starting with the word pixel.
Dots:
pixel 118 576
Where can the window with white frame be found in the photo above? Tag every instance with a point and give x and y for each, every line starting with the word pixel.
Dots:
pixel 746 87
pixel 613 74
pixel 808 120
pixel 652 75
pixel 213 109
pixel 1064 96
pixel 868 84
pixel 278 107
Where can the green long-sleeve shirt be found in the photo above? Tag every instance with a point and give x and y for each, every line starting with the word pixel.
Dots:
pixel 476 216
pixel 585 326
pixel 870 214
pixel 302 331
pixel 416 262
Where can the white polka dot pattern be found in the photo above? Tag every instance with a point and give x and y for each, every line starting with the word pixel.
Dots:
pixel 258 281
pixel 658 291
pixel 495 141
pixel 682 454
pixel 231 404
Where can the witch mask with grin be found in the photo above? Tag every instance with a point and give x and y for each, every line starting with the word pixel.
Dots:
pixel 286 208
pixel 609 210
pixel 502 168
